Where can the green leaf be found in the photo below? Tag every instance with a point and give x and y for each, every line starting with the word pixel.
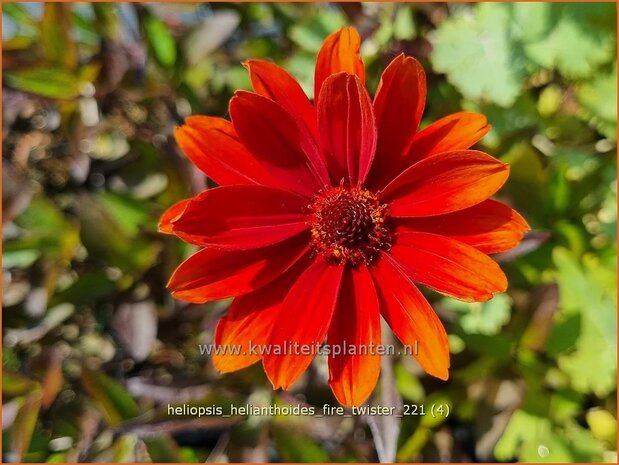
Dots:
pixel 408 385
pixel 131 214
pixel 506 123
pixel 162 448
pixel 528 177
pixel 309 33
pixel 549 100
pixel 46 82
pixel 24 424
pixel 15 384
pixel 565 404
pixel 295 447
pixel 87 288
pixel 56 29
pixel 576 39
pixel 114 402
pixel 404 24
pixel 598 98
pixel 563 335
pixel 603 425
pixel 160 40
pixel 19 258
pixel 48 232
pixel 18 13
pixel 585 291
pixel 476 53
pixel 482 317
pixel 110 241
pixel 533 438
pixel 124 448
pixel 489 53
pixel 414 444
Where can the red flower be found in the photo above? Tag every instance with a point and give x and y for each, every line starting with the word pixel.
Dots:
pixel 327 215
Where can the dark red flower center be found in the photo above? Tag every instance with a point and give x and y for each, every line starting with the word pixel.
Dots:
pixel 348 225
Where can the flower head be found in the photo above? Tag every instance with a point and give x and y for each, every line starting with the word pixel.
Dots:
pixel 327 214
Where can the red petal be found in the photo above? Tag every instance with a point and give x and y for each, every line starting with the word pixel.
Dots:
pixel 213 274
pixel 347 128
pixel 275 83
pixel 302 323
pixel 172 213
pixel 490 227
pixel 242 217
pixel 448 266
pixel 398 105
pixel 445 183
pixel 458 131
pixel 411 317
pixel 339 52
pixel 249 320
pixel 355 332
pixel 272 135
pixel 212 145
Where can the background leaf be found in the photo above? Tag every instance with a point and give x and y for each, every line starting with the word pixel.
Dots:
pixel 46 82
pixel 160 40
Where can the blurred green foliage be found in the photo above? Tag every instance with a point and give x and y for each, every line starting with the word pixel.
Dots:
pixel 94 348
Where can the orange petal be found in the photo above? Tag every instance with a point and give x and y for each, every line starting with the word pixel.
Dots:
pixel 273 137
pixel 249 322
pixel 355 332
pixel 213 146
pixel 213 274
pixel 242 217
pixel 411 317
pixel 491 226
pixel 445 183
pixel 398 105
pixel 302 323
pixel 172 213
pixel 339 52
pixel 269 80
pixel 275 83
pixel 448 266
pixel 347 128
pixel 458 131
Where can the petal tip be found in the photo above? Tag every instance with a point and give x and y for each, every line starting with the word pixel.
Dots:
pixel 220 365
pixel 441 371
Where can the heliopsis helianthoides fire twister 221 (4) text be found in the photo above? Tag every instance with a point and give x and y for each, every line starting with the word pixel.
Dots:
pixel 328 213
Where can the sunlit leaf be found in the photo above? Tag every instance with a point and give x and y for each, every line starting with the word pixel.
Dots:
pixel 295 447
pixel 476 53
pixel 592 365
pixel 603 425
pixel 311 31
pixel 24 424
pixel 482 317
pixel 575 38
pixel 114 402
pixel 599 100
pixel 404 24
pixel 161 41
pixel 46 82
pixel 16 384
pixel 56 35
